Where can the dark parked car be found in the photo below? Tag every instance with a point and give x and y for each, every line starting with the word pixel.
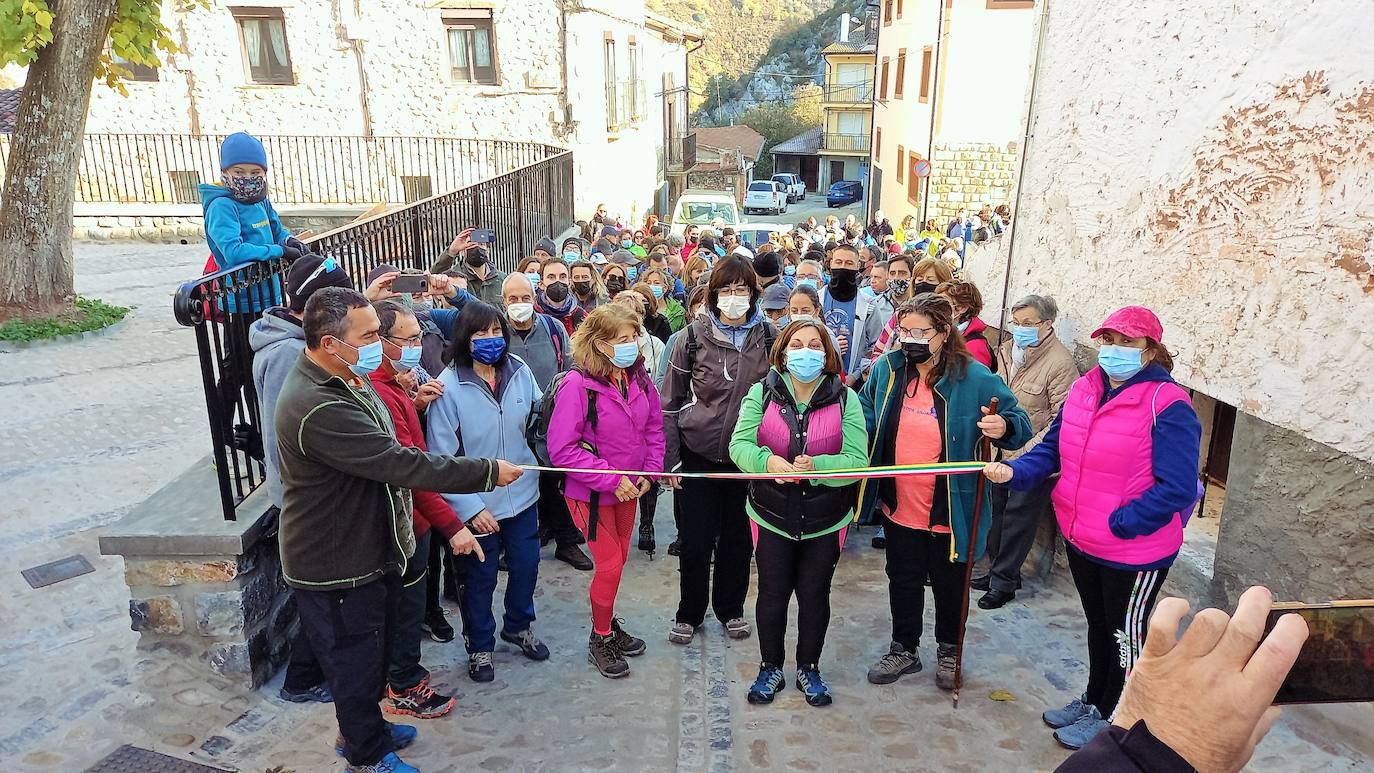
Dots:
pixel 844 192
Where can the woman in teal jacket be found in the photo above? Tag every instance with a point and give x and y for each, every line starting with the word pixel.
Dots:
pixel 923 403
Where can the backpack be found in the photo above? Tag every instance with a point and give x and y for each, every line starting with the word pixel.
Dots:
pixel 769 335
pixel 537 433
pixel 548 323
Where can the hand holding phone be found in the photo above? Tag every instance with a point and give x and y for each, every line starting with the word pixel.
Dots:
pixel 1336 664
pixel 483 236
pixel 409 284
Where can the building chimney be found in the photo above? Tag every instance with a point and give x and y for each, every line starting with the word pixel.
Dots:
pixel 843 37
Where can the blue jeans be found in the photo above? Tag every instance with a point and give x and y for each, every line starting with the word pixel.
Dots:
pixel 519 535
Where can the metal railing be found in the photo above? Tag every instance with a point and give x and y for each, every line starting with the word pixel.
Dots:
pixel 850 143
pixel 855 93
pixel 166 168
pixel 521 203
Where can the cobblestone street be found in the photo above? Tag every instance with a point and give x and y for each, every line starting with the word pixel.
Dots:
pixel 96 425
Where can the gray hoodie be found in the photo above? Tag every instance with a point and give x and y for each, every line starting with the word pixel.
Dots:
pixel 277 340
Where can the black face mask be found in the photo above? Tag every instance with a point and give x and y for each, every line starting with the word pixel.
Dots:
pixel 923 287
pixel 844 278
pixel 556 292
pixel 615 284
pixel 475 257
pixel 582 288
pixel 916 352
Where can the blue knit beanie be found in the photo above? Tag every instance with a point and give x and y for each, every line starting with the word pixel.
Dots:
pixel 241 148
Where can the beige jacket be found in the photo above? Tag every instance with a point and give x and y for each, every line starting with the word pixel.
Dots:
pixel 1040 384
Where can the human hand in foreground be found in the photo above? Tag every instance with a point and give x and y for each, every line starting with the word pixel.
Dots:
pixel 1208 694
pixel 484 523
pixel 507 473
pixel 780 465
pixel 465 542
pixel 428 393
pixel 992 424
pixel 626 490
pixel 998 472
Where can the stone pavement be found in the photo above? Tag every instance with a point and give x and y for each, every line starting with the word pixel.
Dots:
pixel 94 426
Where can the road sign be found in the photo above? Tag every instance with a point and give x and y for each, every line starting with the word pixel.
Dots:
pixel 921 168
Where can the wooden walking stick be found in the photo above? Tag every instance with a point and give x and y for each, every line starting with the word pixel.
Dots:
pixel 985 455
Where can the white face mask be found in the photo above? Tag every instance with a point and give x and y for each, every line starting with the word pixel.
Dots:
pixel 520 312
pixel 733 306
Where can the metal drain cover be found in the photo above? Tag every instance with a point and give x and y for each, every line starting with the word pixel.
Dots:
pixel 57 571
pixel 131 759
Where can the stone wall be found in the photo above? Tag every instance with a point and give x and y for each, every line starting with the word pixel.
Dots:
pixel 965 176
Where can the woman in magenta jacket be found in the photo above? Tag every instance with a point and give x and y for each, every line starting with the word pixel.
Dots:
pixel 606 416
pixel 1125 445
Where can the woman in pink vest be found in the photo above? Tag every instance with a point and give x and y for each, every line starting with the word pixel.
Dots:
pixel 799 418
pixel 1125 445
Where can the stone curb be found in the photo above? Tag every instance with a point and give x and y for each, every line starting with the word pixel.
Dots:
pixel 15 346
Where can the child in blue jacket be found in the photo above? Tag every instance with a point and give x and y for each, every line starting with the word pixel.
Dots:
pixel 241 225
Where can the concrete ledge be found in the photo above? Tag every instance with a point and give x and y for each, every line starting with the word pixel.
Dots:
pixel 184 518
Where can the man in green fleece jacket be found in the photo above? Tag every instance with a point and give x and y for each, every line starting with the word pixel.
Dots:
pixel 346 510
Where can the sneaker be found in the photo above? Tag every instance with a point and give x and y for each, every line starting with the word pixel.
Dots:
pixel 420 701
pixel 480 668
pixel 628 645
pixel 674 548
pixel 995 599
pixel 811 684
pixel 682 633
pixel 738 628
pixel 646 538
pixel 1076 710
pixel 528 644
pixel 765 688
pixel 894 665
pixel 880 538
pixel 388 764
pixel 946 656
pixel 573 556
pixel 436 626
pixel 401 737
pixel 318 694
pixel 1077 735
pixel 602 653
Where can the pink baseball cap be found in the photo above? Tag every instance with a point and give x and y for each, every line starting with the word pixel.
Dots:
pixel 1133 321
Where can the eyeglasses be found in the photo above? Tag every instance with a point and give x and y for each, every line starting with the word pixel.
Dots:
pixel 920 333
pixel 328 264
pixel 738 292
pixel 412 341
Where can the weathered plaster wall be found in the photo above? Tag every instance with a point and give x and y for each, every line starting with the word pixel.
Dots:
pixel 1216 163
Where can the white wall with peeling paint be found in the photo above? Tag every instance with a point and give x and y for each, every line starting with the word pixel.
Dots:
pixel 1215 162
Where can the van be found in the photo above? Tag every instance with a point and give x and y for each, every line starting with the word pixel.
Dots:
pixel 702 208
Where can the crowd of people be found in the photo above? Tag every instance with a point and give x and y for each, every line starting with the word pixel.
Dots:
pixel 633 361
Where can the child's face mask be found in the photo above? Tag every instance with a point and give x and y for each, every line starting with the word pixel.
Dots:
pixel 246 189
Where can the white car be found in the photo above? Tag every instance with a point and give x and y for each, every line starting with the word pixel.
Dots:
pixel 703 208
pixel 751 235
pixel 765 196
pixel 796 189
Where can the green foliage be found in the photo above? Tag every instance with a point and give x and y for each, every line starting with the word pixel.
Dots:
pixel 137 35
pixel 778 122
pixel 89 314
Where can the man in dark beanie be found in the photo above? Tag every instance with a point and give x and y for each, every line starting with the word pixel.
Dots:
pixel 769 268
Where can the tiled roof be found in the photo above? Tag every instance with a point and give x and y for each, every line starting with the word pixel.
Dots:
pixel 738 137
pixel 808 143
pixel 854 46
pixel 9 108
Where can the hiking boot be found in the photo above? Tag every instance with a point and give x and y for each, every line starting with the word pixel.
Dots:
pixel 480 668
pixel 1076 710
pixel 528 644
pixel 628 645
pixel 318 694
pixel 766 687
pixel 682 633
pixel 675 548
pixel 646 538
pixel 880 539
pixel 388 764
pixel 573 556
pixel 602 653
pixel 401 737
pixel 995 599
pixel 1077 735
pixel 436 626
pixel 738 628
pixel 419 701
pixel 811 684
pixel 894 665
pixel 945 657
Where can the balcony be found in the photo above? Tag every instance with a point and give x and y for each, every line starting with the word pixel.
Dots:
pixel 848 93
pixel 844 143
pixel 682 153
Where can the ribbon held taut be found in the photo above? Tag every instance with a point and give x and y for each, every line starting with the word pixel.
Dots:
pixel 889 471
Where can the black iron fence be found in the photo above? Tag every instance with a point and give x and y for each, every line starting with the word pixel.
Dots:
pixel 521 204
pixel 166 168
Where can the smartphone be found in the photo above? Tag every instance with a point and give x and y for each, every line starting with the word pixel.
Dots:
pixel 1337 662
pixel 409 284
pixel 483 236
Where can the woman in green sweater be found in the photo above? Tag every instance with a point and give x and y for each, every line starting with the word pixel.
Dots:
pixel 800 418
pixel 662 287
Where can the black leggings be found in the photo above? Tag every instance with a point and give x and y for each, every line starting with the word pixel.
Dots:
pixel 713 567
pixel 806 568
pixel 1117 604
pixel 912 556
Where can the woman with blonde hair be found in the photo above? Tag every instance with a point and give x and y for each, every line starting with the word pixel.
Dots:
pixel 696 268
pixel 606 416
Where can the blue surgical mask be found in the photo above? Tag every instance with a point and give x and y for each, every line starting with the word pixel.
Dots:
pixel 963 326
pixel 807 282
pixel 632 271
pixel 369 357
pixel 805 364
pixel 410 358
pixel 570 257
pixel 533 276
pixel 488 350
pixel 657 291
pixel 627 243
pixel 625 354
pixel 1120 362
pixel 1025 336
pixel 789 270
